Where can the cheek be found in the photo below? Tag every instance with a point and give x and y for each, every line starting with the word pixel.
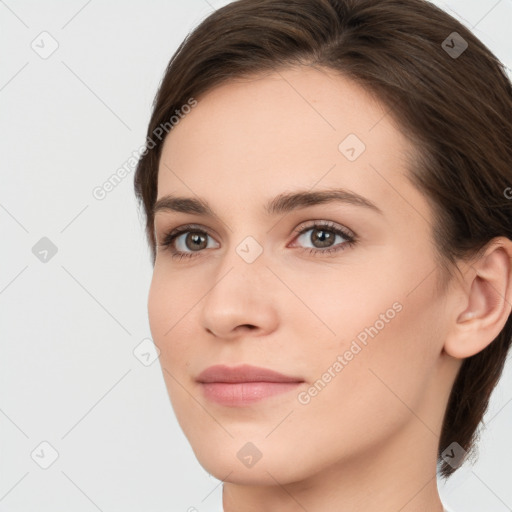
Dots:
pixel 169 304
pixel 373 394
pixel 386 332
pixel 168 307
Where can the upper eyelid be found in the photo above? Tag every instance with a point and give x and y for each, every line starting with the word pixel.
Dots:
pixel 303 226
pixel 186 228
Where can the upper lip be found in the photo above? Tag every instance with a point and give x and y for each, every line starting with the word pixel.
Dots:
pixel 243 373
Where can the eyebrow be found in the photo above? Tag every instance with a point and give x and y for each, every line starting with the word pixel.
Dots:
pixel 280 204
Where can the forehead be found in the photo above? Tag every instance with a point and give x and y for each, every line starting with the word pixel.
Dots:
pixel 252 138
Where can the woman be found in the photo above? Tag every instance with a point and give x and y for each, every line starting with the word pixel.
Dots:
pixel 325 191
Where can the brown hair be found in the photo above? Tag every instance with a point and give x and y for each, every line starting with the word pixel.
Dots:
pixel 456 108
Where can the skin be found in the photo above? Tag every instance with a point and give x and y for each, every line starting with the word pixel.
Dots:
pixel 368 440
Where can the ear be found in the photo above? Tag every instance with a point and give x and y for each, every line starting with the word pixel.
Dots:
pixel 486 301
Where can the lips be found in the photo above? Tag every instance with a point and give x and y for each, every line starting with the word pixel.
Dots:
pixel 243 373
pixel 243 385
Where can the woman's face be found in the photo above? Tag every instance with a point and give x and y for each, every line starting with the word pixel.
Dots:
pixel 360 325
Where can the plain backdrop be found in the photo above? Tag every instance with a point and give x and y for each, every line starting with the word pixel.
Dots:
pixel 77 80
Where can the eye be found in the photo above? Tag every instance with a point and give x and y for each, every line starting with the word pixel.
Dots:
pixel 323 237
pixel 188 237
pixel 189 240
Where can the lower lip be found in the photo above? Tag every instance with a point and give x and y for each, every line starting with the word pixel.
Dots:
pixel 244 393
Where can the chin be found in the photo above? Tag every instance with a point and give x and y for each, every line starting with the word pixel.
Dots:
pixel 242 463
pixel 236 473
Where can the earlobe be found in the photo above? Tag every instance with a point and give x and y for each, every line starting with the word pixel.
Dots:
pixel 487 300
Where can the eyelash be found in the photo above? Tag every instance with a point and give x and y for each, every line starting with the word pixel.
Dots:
pixel 350 239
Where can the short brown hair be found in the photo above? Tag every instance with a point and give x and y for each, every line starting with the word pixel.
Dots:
pixel 455 106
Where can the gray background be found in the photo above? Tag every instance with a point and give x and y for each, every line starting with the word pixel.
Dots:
pixel 70 325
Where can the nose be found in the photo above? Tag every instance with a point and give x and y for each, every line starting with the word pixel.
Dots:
pixel 241 301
